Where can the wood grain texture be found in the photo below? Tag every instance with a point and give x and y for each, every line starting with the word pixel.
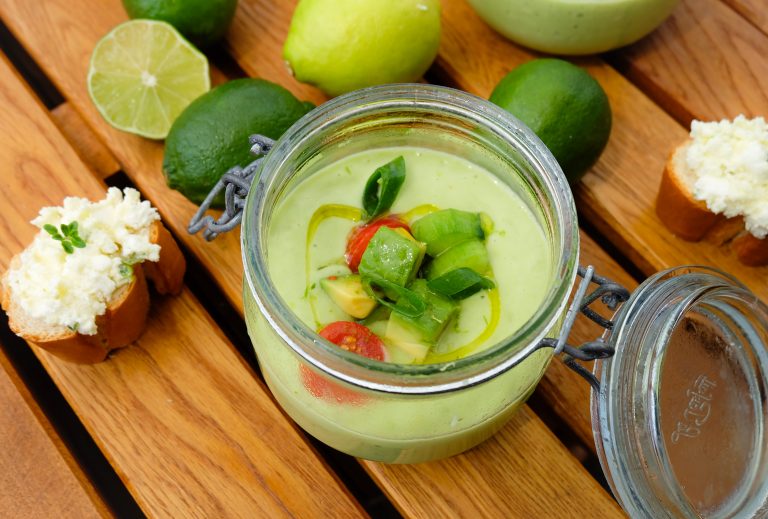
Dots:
pixel 618 194
pixel 141 159
pixel 38 475
pixel 485 482
pixel 705 62
pixel 187 426
pixel 755 11
pixel 256 38
pixel 85 143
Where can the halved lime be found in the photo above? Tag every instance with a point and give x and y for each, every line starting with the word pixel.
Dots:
pixel 143 74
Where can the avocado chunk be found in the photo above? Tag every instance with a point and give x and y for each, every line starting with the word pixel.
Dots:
pixel 443 229
pixel 471 254
pixel 415 336
pixel 348 294
pixel 392 255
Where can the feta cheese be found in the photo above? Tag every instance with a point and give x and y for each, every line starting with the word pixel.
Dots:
pixel 730 160
pixel 62 289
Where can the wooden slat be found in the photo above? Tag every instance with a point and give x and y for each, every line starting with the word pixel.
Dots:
pixel 618 194
pixel 66 65
pixel 187 426
pixel 82 139
pixel 706 62
pixel 484 482
pixel 756 11
pixel 38 476
pixel 256 38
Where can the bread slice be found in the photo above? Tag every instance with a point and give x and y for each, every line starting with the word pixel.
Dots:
pixel 681 213
pixel 125 317
pixel 691 220
pixel 167 274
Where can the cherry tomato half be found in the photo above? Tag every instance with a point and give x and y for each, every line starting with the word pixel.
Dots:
pixel 360 236
pixel 351 337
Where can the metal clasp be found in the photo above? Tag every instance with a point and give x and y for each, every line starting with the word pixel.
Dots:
pixel 236 182
pixel 612 295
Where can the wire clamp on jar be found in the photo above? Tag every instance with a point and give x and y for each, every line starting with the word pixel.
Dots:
pixel 612 295
pixel 235 183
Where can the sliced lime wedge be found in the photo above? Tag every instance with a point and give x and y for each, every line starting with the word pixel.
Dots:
pixel 143 74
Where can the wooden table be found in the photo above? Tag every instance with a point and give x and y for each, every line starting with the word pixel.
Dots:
pixel 181 424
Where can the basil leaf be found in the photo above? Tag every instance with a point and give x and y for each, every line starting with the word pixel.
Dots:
pixel 77 241
pixel 459 283
pixel 408 302
pixel 382 187
pixel 67 247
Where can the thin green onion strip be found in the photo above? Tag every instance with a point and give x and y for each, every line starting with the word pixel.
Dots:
pixel 382 188
pixel 459 283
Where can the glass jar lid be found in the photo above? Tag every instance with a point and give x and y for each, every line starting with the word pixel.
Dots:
pixel 680 416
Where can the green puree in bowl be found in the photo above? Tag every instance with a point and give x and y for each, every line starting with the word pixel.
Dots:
pixel 574 27
pixel 309 230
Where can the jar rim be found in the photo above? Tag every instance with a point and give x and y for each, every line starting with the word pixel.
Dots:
pixel 399 378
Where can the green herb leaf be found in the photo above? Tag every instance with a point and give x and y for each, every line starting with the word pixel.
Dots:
pixel 382 187
pixel 69 240
pixel 53 231
pixel 460 283
pixel 407 302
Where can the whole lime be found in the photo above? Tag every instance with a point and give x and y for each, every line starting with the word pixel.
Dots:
pixel 343 45
pixel 201 21
pixel 211 135
pixel 564 106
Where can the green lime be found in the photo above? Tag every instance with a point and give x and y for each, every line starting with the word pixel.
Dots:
pixel 143 74
pixel 211 136
pixel 564 106
pixel 343 45
pixel 202 21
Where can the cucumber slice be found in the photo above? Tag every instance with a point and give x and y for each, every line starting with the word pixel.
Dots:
pixel 471 254
pixel 416 335
pixel 392 255
pixel 443 229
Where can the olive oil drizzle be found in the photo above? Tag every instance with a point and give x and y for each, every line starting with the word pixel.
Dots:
pixel 355 214
pixel 322 213
pixel 467 349
pixel 418 211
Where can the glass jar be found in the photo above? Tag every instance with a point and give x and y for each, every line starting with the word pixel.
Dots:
pixel 393 412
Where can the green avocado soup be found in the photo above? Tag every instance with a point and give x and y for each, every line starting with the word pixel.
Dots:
pixel 518 250
pixel 303 249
